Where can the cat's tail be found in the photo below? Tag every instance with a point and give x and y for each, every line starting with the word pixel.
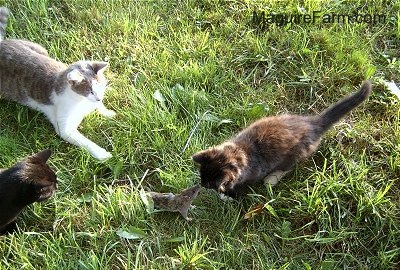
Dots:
pixel 336 111
pixel 3 21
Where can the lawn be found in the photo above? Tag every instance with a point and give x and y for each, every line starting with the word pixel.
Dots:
pixel 186 75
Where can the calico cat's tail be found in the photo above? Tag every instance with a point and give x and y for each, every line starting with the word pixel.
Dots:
pixel 3 21
pixel 336 111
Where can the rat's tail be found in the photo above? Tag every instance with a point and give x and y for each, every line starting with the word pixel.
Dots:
pixel 336 111
pixel 3 21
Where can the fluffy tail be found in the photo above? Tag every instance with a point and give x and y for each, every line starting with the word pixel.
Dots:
pixel 3 21
pixel 336 111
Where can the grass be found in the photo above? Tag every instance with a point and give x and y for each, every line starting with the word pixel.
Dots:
pixel 186 75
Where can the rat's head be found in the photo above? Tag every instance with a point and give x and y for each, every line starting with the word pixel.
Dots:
pixel 221 166
pixel 192 191
pixel 86 79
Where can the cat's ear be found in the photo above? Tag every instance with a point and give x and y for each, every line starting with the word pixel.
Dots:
pixel 99 67
pixel 75 77
pixel 202 157
pixel 44 155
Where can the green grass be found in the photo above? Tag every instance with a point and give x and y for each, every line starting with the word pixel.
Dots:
pixel 186 75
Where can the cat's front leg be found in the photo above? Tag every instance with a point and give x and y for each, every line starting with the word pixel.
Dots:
pixel 274 177
pixel 104 111
pixel 73 136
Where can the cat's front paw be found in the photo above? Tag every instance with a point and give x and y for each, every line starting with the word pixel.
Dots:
pixel 101 154
pixel 108 113
pixel 225 197
pixel 105 112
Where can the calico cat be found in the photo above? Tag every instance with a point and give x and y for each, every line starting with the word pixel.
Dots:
pixel 270 147
pixel 65 94
pixel 28 181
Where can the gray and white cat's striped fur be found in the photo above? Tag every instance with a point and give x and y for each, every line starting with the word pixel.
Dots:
pixel 65 94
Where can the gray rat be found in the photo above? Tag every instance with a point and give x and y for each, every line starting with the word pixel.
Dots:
pixel 176 202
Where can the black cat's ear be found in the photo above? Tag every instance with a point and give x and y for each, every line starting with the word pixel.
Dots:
pixel 202 157
pixel 99 67
pixel 44 155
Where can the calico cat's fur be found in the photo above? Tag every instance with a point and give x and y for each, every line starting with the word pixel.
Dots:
pixel 28 181
pixel 65 94
pixel 270 147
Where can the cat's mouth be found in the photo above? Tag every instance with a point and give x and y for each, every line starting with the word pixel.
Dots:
pixel 46 193
pixel 225 185
pixel 222 188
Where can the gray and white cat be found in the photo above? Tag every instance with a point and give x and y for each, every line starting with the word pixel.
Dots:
pixel 65 94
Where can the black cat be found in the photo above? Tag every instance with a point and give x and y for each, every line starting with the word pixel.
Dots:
pixel 28 181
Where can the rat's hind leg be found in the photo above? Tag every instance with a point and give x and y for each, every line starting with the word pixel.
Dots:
pixel 184 213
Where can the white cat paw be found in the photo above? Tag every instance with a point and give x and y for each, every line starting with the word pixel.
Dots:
pixel 108 113
pixel 224 197
pixel 102 154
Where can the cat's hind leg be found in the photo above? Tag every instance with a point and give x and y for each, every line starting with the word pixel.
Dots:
pixel 274 177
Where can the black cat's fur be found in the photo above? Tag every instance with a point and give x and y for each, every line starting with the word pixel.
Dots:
pixel 270 147
pixel 28 181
